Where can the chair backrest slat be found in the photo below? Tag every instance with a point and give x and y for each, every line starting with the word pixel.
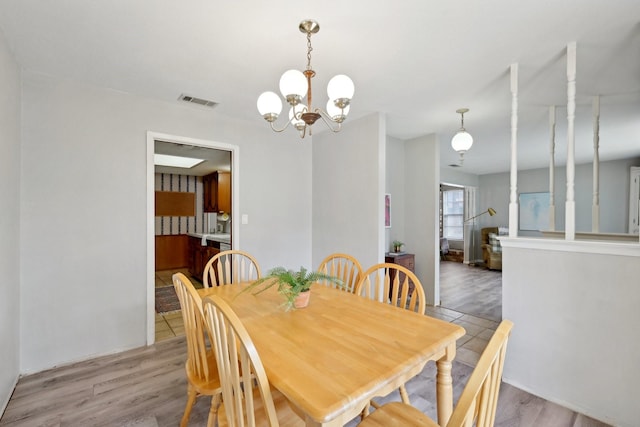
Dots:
pixel 227 267
pixel 192 316
pixel 343 266
pixel 240 367
pixel 479 399
pixel 390 283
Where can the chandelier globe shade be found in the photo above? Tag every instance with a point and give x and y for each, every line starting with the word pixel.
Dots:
pixel 293 86
pixel 297 123
pixel 340 87
pixel 269 105
pixel 336 113
pixel 462 141
pixel 296 85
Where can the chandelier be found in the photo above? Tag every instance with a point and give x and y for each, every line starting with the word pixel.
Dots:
pixel 295 85
pixel 462 141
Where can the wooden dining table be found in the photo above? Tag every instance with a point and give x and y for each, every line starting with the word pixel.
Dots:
pixel 330 358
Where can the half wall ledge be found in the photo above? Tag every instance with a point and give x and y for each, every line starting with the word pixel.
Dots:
pixel 604 247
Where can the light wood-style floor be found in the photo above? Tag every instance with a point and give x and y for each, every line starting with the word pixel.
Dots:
pixel 146 387
pixel 471 289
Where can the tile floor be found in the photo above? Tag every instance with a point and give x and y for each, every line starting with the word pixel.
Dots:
pixel 169 325
pixel 470 346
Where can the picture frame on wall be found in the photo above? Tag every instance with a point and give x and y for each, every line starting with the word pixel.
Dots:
pixel 387 210
pixel 534 211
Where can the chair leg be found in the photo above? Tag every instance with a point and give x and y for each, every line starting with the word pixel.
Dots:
pixel 191 399
pixel 404 395
pixel 213 411
pixel 365 412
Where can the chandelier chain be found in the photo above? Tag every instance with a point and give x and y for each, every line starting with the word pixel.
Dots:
pixel 309 49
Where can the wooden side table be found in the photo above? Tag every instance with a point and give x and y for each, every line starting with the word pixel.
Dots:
pixel 406 260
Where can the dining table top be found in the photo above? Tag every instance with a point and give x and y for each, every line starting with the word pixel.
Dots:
pixel 330 358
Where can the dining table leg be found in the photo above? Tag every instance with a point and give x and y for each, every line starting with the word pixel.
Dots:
pixel 444 385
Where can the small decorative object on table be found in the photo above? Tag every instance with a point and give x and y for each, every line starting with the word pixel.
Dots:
pixel 295 286
pixel 397 246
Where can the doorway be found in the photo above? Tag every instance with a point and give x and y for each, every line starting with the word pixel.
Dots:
pixel 466 286
pixel 152 138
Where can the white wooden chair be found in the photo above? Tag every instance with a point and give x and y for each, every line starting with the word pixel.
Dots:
pixel 343 266
pixel 477 403
pixel 389 283
pixel 227 267
pixel 247 396
pixel 201 367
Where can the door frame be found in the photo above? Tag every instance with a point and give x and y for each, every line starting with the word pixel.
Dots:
pixel 151 249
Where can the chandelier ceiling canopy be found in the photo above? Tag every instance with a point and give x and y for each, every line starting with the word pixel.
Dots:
pixel 296 85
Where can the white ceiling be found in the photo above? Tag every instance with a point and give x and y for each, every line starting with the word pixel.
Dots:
pixel 416 61
pixel 214 160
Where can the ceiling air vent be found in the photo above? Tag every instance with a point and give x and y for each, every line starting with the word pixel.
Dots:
pixel 198 101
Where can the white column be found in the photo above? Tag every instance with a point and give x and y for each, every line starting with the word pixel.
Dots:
pixel 595 208
pixel 513 198
pixel 552 165
pixel 570 204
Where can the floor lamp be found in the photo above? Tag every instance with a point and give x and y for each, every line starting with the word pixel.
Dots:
pixel 491 212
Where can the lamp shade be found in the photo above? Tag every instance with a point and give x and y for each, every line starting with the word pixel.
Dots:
pixel 462 141
pixel 297 123
pixel 340 87
pixel 334 111
pixel 293 82
pixel 269 103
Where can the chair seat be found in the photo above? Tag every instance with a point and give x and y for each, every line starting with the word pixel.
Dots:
pixel 286 415
pixel 202 385
pixel 396 414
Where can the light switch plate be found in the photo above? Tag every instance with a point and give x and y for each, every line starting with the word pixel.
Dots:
pixel 245 219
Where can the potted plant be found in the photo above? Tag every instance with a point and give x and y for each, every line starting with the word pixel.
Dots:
pixel 293 285
pixel 397 245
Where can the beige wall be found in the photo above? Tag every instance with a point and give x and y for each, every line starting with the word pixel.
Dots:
pixel 84 251
pixel 395 186
pixel 348 189
pixel 10 161
pixel 575 309
pixel 422 189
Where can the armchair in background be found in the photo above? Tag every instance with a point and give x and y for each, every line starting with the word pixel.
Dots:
pixel 491 249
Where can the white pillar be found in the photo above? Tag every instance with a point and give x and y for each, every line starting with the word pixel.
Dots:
pixel 513 198
pixel 570 204
pixel 552 165
pixel 595 209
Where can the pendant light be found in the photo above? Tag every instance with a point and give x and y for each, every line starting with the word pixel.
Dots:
pixel 462 140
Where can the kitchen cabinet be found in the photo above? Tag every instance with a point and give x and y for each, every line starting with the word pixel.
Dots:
pixel 199 255
pixel 406 260
pixel 171 252
pixel 174 203
pixel 217 192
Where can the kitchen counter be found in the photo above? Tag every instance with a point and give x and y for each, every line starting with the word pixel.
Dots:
pixel 219 237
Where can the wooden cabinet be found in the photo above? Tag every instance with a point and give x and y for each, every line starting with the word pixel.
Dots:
pixel 199 255
pixel 217 192
pixel 171 252
pixel 406 260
